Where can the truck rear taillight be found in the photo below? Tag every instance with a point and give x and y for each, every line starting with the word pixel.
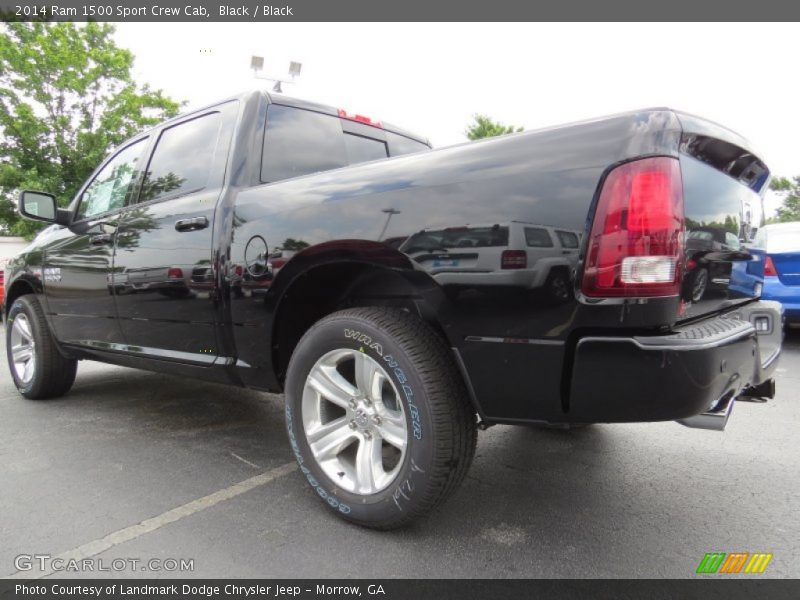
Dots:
pixel 636 244
pixel 174 273
pixel 769 268
pixel 514 259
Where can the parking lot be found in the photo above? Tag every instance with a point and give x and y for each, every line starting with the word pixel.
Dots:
pixel 641 500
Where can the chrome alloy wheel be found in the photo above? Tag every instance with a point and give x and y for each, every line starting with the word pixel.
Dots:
pixel 699 285
pixel 23 349
pixel 354 421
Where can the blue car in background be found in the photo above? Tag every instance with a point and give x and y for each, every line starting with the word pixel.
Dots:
pixel 781 242
pixel 747 277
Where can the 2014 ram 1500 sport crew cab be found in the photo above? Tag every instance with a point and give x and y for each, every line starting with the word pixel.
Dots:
pixel 406 301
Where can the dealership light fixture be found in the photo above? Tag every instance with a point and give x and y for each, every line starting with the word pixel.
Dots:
pixel 257 64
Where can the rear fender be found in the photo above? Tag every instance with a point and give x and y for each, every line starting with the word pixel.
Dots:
pixel 428 296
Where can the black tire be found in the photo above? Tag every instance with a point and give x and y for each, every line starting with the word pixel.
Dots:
pixel 557 287
pixel 53 374
pixel 441 424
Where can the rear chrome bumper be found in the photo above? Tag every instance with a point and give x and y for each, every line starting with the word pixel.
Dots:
pixel 696 371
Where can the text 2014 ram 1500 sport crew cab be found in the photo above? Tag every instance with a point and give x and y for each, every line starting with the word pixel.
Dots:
pixel 380 319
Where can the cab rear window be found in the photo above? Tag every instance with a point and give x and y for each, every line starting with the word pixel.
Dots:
pixel 400 144
pixel 299 142
pixel 363 149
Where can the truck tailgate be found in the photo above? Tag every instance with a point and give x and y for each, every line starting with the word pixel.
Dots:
pixel 722 183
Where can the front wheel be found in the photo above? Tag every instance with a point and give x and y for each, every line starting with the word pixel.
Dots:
pixel 37 367
pixel 377 416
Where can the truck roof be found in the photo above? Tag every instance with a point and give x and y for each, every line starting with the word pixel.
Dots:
pixel 297 103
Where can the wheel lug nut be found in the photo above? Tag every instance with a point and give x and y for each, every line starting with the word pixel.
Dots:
pixel 367 402
pixel 367 435
pixel 352 403
pixel 377 420
pixel 353 425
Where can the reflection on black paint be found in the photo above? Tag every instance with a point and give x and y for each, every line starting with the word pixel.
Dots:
pixel 498 258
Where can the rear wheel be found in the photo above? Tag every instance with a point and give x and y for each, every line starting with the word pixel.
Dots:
pixel 699 284
pixel 377 416
pixel 557 288
pixel 37 367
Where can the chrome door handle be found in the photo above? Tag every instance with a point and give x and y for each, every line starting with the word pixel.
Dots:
pixel 192 224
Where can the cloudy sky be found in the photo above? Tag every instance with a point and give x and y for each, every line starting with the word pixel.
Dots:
pixel 431 78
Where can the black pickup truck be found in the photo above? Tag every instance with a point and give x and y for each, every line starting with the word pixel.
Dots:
pixel 406 301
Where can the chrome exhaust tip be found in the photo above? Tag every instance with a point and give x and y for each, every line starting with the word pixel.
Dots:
pixel 715 419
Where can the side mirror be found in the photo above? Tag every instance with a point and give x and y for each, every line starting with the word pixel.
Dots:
pixel 41 206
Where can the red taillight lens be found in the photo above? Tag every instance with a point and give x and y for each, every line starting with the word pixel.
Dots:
pixel 514 259
pixel 636 245
pixel 769 268
pixel 175 273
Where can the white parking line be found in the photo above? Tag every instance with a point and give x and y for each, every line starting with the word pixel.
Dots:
pixel 127 534
pixel 245 461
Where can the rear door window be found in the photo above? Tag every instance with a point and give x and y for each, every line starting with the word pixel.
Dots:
pixel 536 237
pixel 181 162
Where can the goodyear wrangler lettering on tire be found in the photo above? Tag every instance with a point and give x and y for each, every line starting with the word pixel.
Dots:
pixel 378 416
pixel 333 502
pixel 408 392
pixel 362 338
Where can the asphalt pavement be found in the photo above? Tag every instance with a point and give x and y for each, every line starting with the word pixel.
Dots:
pixel 139 466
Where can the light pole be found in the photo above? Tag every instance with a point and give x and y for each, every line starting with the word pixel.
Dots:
pixel 257 64
pixel 390 212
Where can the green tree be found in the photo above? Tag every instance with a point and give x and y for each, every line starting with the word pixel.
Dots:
pixel 790 208
pixel 67 98
pixel 293 244
pixel 483 127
